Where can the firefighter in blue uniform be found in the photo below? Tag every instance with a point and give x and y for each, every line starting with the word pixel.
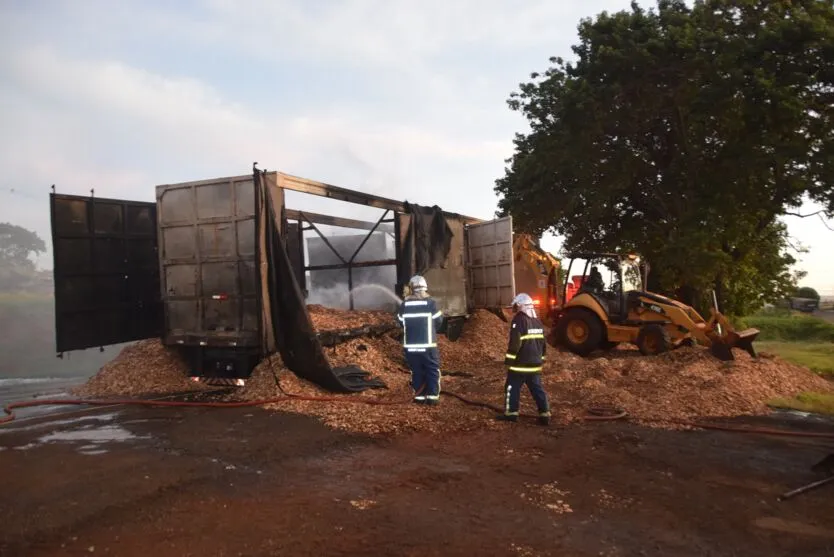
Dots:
pixel 420 320
pixel 524 359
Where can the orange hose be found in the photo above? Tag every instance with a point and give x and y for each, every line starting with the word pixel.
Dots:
pixel 10 408
pixel 594 414
pixel 760 430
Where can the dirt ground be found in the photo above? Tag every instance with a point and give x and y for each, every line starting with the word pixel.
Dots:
pixel 247 482
pixel 828 315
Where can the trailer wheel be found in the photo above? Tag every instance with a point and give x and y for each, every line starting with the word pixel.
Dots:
pixel 580 332
pixel 653 339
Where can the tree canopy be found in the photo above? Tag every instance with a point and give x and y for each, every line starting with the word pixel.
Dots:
pixel 17 245
pixel 807 292
pixel 684 133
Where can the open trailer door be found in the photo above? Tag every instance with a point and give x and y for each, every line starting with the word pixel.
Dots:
pixel 490 263
pixel 106 271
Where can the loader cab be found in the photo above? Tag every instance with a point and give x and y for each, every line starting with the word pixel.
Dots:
pixel 614 281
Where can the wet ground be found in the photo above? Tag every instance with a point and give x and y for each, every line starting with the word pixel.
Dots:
pixel 170 482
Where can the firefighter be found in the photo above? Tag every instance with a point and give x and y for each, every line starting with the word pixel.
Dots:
pixel 421 320
pixel 524 360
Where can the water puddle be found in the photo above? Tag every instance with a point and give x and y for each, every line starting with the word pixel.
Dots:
pixel 67 421
pixel 92 433
pixel 102 434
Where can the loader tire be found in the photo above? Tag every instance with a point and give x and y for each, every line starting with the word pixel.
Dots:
pixel 653 340
pixel 580 332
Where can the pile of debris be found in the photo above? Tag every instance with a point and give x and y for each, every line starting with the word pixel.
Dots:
pixel 327 319
pixel 682 385
pixel 484 340
pixel 661 391
pixel 144 368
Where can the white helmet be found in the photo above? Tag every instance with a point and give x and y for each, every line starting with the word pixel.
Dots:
pixel 523 300
pixel 418 284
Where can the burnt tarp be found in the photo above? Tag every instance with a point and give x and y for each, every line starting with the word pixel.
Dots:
pixel 428 240
pixel 294 336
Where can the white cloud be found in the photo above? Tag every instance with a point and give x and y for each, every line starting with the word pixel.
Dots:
pixel 122 97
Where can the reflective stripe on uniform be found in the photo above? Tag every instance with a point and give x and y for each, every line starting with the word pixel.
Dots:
pixel 429 325
pixel 532 336
pixel 526 369
pixel 510 356
pixel 419 347
pixel 417 303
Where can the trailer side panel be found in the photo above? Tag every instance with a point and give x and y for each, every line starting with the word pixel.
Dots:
pixel 208 254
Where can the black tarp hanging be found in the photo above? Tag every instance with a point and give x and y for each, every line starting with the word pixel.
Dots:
pixel 294 336
pixel 428 240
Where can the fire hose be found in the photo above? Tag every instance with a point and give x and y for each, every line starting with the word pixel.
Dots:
pixel 593 414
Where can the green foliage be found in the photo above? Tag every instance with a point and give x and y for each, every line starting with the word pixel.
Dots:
pixel 684 134
pixel 807 292
pixel 777 326
pixel 17 245
pixel 817 403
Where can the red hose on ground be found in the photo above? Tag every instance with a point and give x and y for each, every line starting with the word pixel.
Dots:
pixel 10 408
pixel 760 430
pixel 594 414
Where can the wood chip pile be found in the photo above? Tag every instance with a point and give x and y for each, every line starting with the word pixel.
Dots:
pixel 144 368
pixel 660 391
pixel 682 385
pixel 484 339
pixel 327 319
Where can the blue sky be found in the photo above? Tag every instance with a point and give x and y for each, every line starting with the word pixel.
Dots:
pixel 404 99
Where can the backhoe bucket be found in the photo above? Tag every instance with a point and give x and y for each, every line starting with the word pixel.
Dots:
pixel 744 340
pixel 722 351
pixel 723 348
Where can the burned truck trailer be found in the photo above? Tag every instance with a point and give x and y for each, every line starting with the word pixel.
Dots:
pixel 190 268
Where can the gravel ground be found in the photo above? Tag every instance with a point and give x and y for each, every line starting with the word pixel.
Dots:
pixel 181 482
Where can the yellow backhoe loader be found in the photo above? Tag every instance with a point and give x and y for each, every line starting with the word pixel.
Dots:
pixel 602 308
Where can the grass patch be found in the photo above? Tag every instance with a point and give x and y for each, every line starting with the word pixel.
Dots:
pixel 791 327
pixel 818 357
pixel 816 403
pixel 17 299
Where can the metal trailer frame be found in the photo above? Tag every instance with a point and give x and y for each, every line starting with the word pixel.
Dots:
pixel 394 213
pixel 390 206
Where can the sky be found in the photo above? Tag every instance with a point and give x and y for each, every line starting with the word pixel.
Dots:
pixel 396 98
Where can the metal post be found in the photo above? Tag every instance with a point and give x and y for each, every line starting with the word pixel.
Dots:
pixel 350 282
pixel 368 237
pixel 355 253
pixel 326 241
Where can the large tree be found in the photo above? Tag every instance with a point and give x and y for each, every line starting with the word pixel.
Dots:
pixel 17 246
pixel 684 133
